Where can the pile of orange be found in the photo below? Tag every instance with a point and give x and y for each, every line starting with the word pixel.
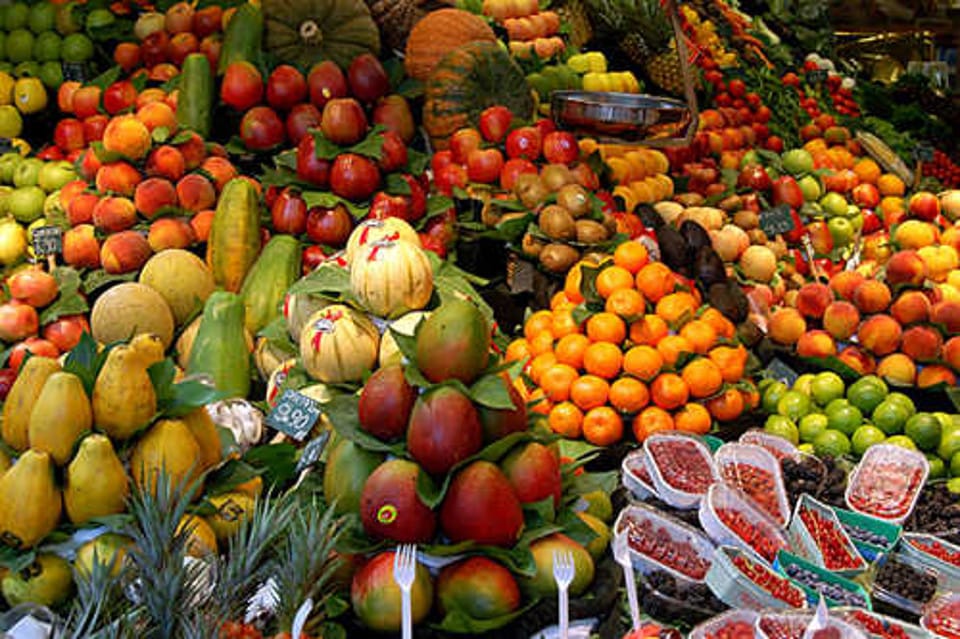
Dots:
pixel 653 359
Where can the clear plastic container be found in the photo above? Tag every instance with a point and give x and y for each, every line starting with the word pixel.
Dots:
pixel 636 477
pixel 912 550
pixel 681 468
pixel 853 593
pixel 941 617
pixel 868 623
pixel 669 608
pixel 739 589
pixel 712 629
pixel 756 472
pixel 779 446
pixel 887 482
pixel 659 542
pixel 792 625
pixel 894 601
pixel 884 535
pixel 805 540
pixel 758 534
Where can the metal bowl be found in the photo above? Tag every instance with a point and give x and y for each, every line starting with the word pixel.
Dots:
pixel 623 117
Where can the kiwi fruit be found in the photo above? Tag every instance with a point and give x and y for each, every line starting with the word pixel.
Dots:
pixel 558 258
pixel 557 223
pixel 591 232
pixel 575 199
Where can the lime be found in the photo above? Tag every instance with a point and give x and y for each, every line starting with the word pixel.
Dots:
pixel 831 443
pixel 945 420
pixel 804 383
pixel 812 425
pixel 845 418
pixel 772 395
pixel 19 45
pixel 41 17
pixel 29 95
pixel 46 47
pixel 954 485
pixel 782 427
pixel 76 47
pixel 16 16
pixel 807 448
pixel 904 401
pixel 890 417
pixel 826 387
pixel 794 405
pixel 867 392
pixel 902 441
pixel 66 20
pixel 3 45
pixel 11 124
pixel 99 18
pixel 26 204
pixel 865 437
pixel 938 469
pixel 925 431
pixel 51 74
pixel 28 69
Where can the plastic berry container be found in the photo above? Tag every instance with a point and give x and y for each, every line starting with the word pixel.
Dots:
pixel 731 519
pixel 669 607
pixel 778 446
pixel 895 602
pixel 814 524
pixel 755 471
pixel 880 626
pixel 887 482
pixel 726 624
pixel 941 617
pixel 636 476
pixel 872 537
pixel 927 551
pixel 734 578
pixel 681 468
pixel 659 542
pixel 836 590
pixel 793 625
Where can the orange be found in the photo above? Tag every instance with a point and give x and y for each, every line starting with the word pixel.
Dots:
pixel 602 426
pixel 655 280
pixel 890 184
pixel 751 398
pixel 631 255
pixel 537 323
pixel 570 349
pixel 669 391
pixel 693 418
pixel 571 285
pixel 628 303
pixel 563 323
pixel 702 376
pixel 613 278
pixel 727 406
pixel 539 364
pixel 731 361
pixel 719 322
pixel 518 351
pixel 650 421
pixel 603 359
pixel 629 395
pixel 589 391
pixel 643 362
pixel 676 306
pixel 540 343
pixel 700 334
pixel 867 170
pixel 566 420
pixel 539 403
pixel 560 300
pixel 556 382
pixel 672 346
pixel 649 330
pixel 606 327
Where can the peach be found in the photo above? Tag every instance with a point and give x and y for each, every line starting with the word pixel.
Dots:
pixel 914 234
pixel 220 169
pixel 872 297
pixel 70 191
pixel 81 248
pixel 80 209
pixel 157 114
pixel 951 352
pixel 816 344
pixel 194 151
pixel 845 283
pixel 841 320
pixel 922 343
pixel 939 260
pixel 897 369
pixel 906 267
pixel 910 308
pixel 947 312
pixel 813 299
pixel 858 360
pixel 124 252
pixel 951 237
pixel 89 165
pixel 876 247
pixel 170 233
pixel 880 334
pixel 149 96
pixel 786 326
pixel 201 223
pixel 128 136
pixel 153 195
pixel 944 291
pixel 166 161
pixel 119 178
pixel 935 374
pixel 196 193
pixel 113 214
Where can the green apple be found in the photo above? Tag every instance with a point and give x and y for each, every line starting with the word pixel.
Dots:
pixel 834 204
pixel 27 172
pixel 842 231
pixel 8 164
pixel 810 187
pixel 797 161
pixel 26 204
pixel 55 175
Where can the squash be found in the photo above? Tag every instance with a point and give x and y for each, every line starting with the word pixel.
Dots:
pixel 391 278
pixel 395 18
pixel 304 32
pixel 374 230
pixel 467 81
pixel 338 344
pixel 234 242
pixel 439 33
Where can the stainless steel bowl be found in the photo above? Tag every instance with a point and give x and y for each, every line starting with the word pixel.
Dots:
pixel 623 117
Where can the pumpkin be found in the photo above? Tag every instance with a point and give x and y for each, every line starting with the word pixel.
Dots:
pixel 467 81
pixel 338 344
pixel 304 32
pixel 439 33
pixel 391 278
pixel 370 231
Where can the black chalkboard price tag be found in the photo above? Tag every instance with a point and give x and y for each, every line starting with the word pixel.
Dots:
pixel 776 220
pixel 294 415
pixel 923 152
pixel 311 452
pixel 776 369
pixel 73 71
pixel 47 240
pixel 6 146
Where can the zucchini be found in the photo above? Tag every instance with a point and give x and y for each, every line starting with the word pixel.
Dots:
pixel 242 40
pixel 195 104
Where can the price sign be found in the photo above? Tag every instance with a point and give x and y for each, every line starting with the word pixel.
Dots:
pixel 776 369
pixel 312 451
pixel 47 240
pixel 294 415
pixel 74 71
pixel 6 146
pixel 923 152
pixel 776 220
pixel 817 76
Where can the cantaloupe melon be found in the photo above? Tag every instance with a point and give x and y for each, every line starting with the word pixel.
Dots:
pixel 181 278
pixel 129 309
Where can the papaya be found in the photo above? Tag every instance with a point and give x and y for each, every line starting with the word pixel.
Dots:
pixel 220 348
pixel 205 432
pixel 453 343
pixel 234 241
pixel 168 447
pixel 265 286
pixel 233 509
pixel 60 416
pixel 29 501
pixel 124 400
pixel 243 36
pixel 97 484
pixel 48 581
pixel 21 399
pixel 347 469
pixel 195 104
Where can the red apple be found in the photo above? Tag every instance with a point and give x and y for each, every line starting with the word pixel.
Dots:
pixel 513 168
pixel 394 152
pixel 181 45
pixel 66 331
pixel 289 213
pixel 93 127
pixel 153 49
pixel 68 134
pixel 326 82
pixel 495 123
pixel 313 256
pixel 449 177
pixel 524 142
pixel 385 205
pixel 417 199
pixel 331 227
pixel 393 112
pixel 925 206
pixel 462 142
pixel 367 78
pixel 441 159
pixel 207 21
pixel 242 86
pixel 302 118
pixel 866 195
pixel 7 377
pixel 343 121
pixel 261 129
pixel 286 87
pixel 119 96
pixel 354 177
pixel 36 347
pixel 18 321
pixel 310 168
pixel 560 147
pixel 483 165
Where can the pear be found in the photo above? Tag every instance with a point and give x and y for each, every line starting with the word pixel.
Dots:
pixel 60 416
pixel 205 432
pixel 97 484
pixel 149 346
pixel 5 462
pixel 167 447
pixel 123 397
pixel 29 501
pixel 23 395
pixel 48 581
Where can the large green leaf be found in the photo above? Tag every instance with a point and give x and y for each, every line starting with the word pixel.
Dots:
pixel 459 622
pixel 342 413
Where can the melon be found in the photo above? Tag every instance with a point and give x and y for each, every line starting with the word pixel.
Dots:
pixel 129 309
pixel 182 279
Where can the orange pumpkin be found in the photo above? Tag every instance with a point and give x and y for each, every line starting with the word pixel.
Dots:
pixel 437 34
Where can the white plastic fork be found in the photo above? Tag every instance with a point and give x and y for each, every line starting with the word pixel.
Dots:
pixel 621 553
pixel 563 573
pixel 404 572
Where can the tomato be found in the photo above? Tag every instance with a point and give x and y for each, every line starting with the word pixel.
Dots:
pixel 495 123
pixel 790 79
pixel 737 88
pixel 462 142
pixel 483 165
pixel 560 147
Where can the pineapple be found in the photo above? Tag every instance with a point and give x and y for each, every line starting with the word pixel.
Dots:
pixel 574 14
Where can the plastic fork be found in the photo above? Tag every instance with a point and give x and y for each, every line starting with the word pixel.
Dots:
pixel 563 573
pixel 404 572
pixel 621 553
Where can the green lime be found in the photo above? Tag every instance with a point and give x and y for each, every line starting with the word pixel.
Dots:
pixel 99 18
pixel 890 417
pixel 826 387
pixel 807 448
pixel 867 392
pixel 51 74
pixel 949 444
pixel 3 45
pixel 11 124
pixel 954 485
pixel 772 395
pixel 925 430
pixel 831 443
pixel 41 17
pixel 812 425
pixel 28 69
pixel 804 383
pixel 902 441
pixel 794 405
pixel 46 47
pixel 945 420
pixel 782 427
pixel 16 16
pixel 865 437
pixel 19 45
pixel 76 47
pixel 66 19
pixel 845 418
pixel 904 401
pixel 938 468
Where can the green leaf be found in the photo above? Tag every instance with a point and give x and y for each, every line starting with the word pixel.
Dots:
pixel 81 361
pixel 181 137
pixel 160 134
pixel 189 395
pixel 328 200
pixel 396 185
pixel 69 301
pixel 328 280
pixel 540 513
pixel 588 284
pixel 491 391
pixel 277 463
pixel 459 622
pixel 372 145
pixel 106 157
pixel 323 148
pixel 437 205
pixel 16 560
pixel 106 78
pixel 161 376
pixel 342 413
pixel 416 162
pixel 278 336
pixel 576 528
pixel 229 476
pixel 95 280
pixel 395 71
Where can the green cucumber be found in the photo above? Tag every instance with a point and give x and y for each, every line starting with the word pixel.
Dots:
pixel 195 103
pixel 277 268
pixel 242 41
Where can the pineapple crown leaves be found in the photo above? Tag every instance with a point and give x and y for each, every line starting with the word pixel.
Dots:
pixel 645 19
